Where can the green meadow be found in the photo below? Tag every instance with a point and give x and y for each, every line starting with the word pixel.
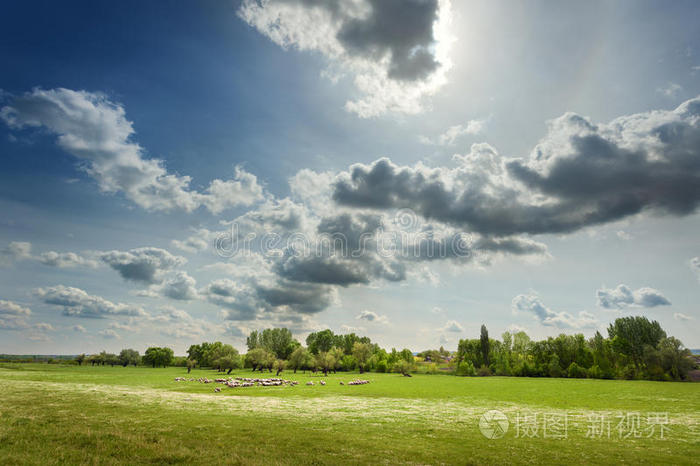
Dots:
pixel 60 414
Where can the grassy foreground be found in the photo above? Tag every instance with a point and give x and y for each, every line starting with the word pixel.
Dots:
pixel 67 415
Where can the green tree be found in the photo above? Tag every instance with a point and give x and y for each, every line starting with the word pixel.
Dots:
pixel 484 345
pixel 325 361
pixel 629 335
pixel 300 359
pixel 229 361
pixel 216 352
pixel 278 341
pixel 191 364
pixel 362 352
pixel 470 350
pixel 337 354
pixel 253 340
pixel 348 362
pixel 320 341
pixel 521 343
pixel 603 356
pixel 80 358
pixel 346 342
pixel 111 359
pixel 129 356
pixel 158 356
pixel 259 359
pixel 196 352
pixel 279 366
pixel 406 355
pixel 507 338
pixel 675 358
pixel 404 367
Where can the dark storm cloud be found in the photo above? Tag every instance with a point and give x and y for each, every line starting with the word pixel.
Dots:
pixel 181 287
pixel 401 29
pixel 579 175
pixel 345 253
pixel 143 265
pixel 302 298
pixel 360 248
pixel 254 298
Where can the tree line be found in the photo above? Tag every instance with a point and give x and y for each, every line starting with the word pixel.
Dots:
pixel 635 348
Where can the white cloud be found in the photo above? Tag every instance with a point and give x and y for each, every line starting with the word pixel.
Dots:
pixel 77 303
pixel 79 329
pixel 13 322
pixel 65 260
pixel 313 189
pixel 176 323
pixel 533 305
pixel 453 326
pixel 695 266
pixel 515 328
pixel 622 296
pixel 198 241
pixel 351 329
pixel 682 317
pixel 670 90
pixel 425 274
pixel 44 327
pixel 15 251
pixel 623 235
pixel 22 250
pixel 95 130
pixel 397 52
pixel 12 308
pixel 454 133
pixel 109 334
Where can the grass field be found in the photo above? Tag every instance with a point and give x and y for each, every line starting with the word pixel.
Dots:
pixel 66 415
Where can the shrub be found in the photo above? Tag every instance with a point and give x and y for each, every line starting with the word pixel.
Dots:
pixel 403 367
pixel 554 369
pixel 381 366
pixel 525 369
pixel 484 371
pixel 466 368
pixel 576 372
pixel 656 373
pixel 629 372
pixel 595 372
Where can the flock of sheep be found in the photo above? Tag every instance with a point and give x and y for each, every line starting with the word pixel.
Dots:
pixel 248 382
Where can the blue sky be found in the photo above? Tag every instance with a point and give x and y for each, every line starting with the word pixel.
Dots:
pixel 134 134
